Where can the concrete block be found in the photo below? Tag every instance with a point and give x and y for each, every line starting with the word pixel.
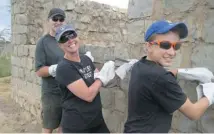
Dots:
pixel 107 97
pixel 85 19
pixel 114 121
pixel 19 39
pixel 208 30
pixel 70 6
pixel 139 8
pixel 210 3
pixel 121 101
pixel 20 28
pixel 20 7
pixel 21 19
pixel 32 49
pixel 179 5
pixel 202 56
pixel 101 53
pixel 136 32
pixel 185 125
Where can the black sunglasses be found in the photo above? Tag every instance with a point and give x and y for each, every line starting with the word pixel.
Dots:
pixel 57 18
pixel 167 45
pixel 67 36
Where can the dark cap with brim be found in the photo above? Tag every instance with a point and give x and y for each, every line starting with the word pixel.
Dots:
pixel 56 11
pixel 62 29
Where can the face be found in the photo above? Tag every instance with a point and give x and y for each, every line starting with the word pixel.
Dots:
pixel 56 21
pixel 163 48
pixel 69 42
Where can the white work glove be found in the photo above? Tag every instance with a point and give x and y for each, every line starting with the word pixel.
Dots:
pixel 107 73
pixel 206 90
pixel 202 75
pixel 123 69
pixel 52 70
pixel 88 53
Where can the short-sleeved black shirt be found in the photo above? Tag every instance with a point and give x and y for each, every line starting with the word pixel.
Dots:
pixel 154 95
pixel 77 113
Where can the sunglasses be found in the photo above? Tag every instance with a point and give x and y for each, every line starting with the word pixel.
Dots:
pixel 55 19
pixel 167 44
pixel 67 36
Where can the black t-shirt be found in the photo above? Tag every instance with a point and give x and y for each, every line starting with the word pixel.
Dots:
pixel 154 95
pixel 77 113
pixel 48 53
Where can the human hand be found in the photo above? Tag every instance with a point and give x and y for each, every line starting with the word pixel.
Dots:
pixel 52 70
pixel 88 53
pixel 206 90
pixel 107 73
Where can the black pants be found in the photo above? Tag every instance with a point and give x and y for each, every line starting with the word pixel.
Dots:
pixel 102 128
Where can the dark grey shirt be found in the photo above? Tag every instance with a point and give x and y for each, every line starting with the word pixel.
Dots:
pixel 48 53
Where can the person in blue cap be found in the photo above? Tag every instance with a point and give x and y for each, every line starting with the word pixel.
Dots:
pixel 80 84
pixel 154 94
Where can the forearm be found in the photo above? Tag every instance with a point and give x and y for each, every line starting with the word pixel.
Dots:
pixel 200 107
pixel 93 90
pixel 43 72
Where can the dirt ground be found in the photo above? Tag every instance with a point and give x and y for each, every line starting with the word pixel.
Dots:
pixel 11 114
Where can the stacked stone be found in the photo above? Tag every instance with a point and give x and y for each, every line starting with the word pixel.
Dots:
pixel 25 29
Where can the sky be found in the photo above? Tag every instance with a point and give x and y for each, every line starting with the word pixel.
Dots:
pixel 116 3
pixel 5 15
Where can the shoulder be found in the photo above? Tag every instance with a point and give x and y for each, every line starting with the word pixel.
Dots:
pixel 41 40
pixel 64 65
pixel 148 70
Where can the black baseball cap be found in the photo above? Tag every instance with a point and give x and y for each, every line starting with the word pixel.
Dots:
pixel 56 11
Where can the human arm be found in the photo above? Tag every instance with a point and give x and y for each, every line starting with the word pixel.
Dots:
pixel 201 74
pixel 42 70
pixel 77 85
pixel 172 98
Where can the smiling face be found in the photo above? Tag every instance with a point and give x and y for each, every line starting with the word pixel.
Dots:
pixel 55 22
pixel 70 43
pixel 159 52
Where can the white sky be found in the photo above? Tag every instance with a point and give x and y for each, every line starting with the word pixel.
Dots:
pixel 116 3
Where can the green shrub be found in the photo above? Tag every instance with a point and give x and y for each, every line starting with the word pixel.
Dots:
pixel 5 66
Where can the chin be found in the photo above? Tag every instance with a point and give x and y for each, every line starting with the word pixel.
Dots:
pixel 167 64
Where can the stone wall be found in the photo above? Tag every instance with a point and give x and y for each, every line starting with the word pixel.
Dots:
pixel 97 24
pixel 114 34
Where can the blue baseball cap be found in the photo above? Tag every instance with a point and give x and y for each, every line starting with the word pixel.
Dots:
pixel 62 29
pixel 163 26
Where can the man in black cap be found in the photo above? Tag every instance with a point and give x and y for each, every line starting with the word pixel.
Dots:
pixel 154 93
pixel 47 55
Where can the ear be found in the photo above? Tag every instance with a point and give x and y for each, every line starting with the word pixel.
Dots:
pixel 60 45
pixel 148 47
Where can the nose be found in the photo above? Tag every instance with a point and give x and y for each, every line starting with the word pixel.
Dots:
pixel 171 51
pixel 70 40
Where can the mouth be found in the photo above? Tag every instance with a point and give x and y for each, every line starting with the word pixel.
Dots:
pixel 72 45
pixel 168 59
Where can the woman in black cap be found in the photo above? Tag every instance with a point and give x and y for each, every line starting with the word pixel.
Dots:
pixel 80 83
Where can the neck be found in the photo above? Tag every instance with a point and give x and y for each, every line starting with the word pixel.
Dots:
pixel 72 56
pixel 150 59
pixel 52 33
